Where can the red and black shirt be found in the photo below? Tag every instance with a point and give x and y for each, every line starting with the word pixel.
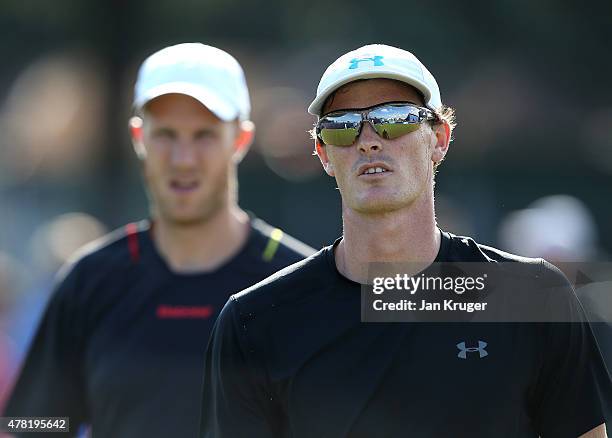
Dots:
pixel 121 344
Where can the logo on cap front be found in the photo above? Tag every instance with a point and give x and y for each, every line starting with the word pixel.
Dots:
pixel 377 60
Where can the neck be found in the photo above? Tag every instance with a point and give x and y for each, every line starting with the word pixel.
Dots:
pixel 202 246
pixel 407 235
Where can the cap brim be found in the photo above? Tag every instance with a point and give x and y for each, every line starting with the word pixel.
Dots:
pixel 317 104
pixel 217 105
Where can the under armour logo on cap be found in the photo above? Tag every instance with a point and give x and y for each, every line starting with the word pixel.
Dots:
pixel 463 351
pixel 377 60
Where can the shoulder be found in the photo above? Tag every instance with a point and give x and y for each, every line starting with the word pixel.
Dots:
pixel 286 285
pixel 466 249
pixel 97 266
pixel 117 249
pixel 267 317
pixel 289 286
pixel 276 247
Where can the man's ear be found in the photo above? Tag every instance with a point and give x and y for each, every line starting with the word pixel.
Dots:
pixel 442 133
pixel 244 139
pixel 136 133
pixel 322 154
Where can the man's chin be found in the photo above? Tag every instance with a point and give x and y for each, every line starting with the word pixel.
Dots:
pixel 184 221
pixel 194 212
pixel 380 206
pixel 187 219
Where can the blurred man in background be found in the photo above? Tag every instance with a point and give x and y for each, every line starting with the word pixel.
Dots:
pixel 562 230
pixel 11 273
pixel 121 343
pixel 291 356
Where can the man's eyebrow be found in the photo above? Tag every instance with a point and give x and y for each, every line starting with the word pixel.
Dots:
pixel 207 130
pixel 159 129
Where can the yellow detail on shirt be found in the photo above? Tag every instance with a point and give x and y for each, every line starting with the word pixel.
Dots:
pixel 275 237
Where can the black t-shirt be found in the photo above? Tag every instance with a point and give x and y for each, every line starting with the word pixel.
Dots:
pixel 121 344
pixel 597 301
pixel 290 357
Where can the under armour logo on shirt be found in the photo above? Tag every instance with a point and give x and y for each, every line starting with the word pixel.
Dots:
pixel 463 351
pixel 377 60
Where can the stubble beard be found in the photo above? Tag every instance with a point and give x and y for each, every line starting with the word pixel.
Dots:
pixel 205 211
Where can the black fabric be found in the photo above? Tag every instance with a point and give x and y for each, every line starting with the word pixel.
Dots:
pixel 289 357
pixel 596 301
pixel 121 344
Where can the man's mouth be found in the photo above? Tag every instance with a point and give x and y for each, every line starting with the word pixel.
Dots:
pixel 184 186
pixel 374 169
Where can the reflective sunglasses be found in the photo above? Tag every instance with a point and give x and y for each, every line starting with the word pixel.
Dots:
pixel 389 120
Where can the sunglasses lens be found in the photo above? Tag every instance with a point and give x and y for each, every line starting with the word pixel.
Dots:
pixel 393 121
pixel 339 137
pixel 339 130
pixel 391 131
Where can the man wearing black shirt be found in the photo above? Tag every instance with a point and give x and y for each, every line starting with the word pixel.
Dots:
pixel 121 344
pixel 291 356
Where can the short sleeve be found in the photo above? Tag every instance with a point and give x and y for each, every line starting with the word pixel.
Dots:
pixel 50 383
pixel 235 403
pixel 573 393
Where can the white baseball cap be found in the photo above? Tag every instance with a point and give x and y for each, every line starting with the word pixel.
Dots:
pixel 377 61
pixel 209 75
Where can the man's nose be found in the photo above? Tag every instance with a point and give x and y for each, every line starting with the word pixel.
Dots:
pixel 183 154
pixel 369 141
